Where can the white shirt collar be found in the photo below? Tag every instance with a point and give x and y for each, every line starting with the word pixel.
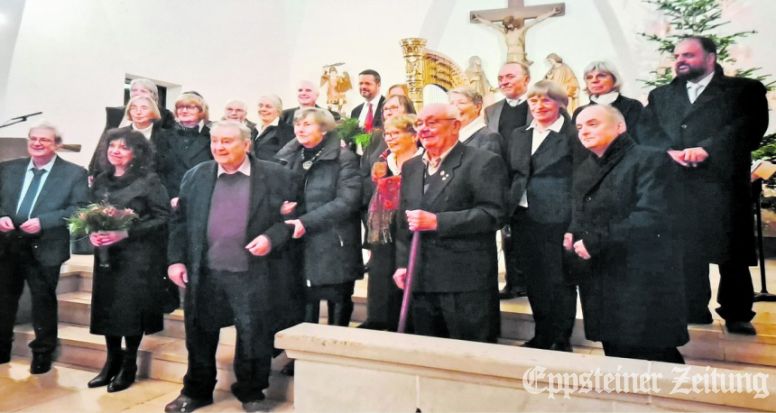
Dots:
pixel 701 83
pixel 427 159
pixel 260 126
pixel 515 102
pixel 555 127
pixel 467 131
pixel 245 168
pixel 47 166
pixel 394 166
pixel 145 131
pixel 606 98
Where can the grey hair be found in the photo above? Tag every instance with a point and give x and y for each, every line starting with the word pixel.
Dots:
pixel 44 124
pixel 611 112
pixel 148 85
pixel 237 101
pixel 154 107
pixel 245 133
pixel 606 67
pixel 472 94
pixel 274 100
pixel 550 89
pixel 322 117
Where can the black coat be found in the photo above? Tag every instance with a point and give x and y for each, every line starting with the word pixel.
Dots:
pixel 630 109
pixel 127 297
pixel 329 211
pixel 467 196
pixel 99 162
pixel 271 139
pixel 271 184
pixel 728 120
pixel 64 191
pixel 630 289
pixel 488 140
pixel 173 158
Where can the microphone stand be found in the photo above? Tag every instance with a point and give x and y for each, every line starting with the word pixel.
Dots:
pixel 19 119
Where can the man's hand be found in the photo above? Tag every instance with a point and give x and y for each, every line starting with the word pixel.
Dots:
pixel 260 246
pixel 581 250
pixel 107 238
pixel 568 241
pixel 678 157
pixel 177 274
pixel 174 203
pixel 6 224
pixel 379 170
pixel 287 208
pixel 31 226
pixel 420 220
pixel 400 277
pixel 298 228
pixel 694 156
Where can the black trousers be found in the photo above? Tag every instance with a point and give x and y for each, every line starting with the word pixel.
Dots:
pixel 228 297
pixel 666 354
pixel 17 266
pixel 553 301
pixel 735 294
pixel 462 316
pixel 515 275
pixel 383 296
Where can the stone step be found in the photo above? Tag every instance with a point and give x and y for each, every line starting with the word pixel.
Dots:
pixel 160 357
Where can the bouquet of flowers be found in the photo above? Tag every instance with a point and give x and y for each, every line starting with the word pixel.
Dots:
pixel 100 217
pixel 349 131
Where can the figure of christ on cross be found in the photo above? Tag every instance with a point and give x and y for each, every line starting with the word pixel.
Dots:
pixel 511 22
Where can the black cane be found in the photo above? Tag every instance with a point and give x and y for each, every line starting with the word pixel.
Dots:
pixel 763 295
pixel 407 296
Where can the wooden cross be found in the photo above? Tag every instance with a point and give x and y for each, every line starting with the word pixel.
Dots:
pixel 517 9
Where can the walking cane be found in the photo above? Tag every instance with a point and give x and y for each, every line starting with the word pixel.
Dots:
pixel 763 295
pixel 407 297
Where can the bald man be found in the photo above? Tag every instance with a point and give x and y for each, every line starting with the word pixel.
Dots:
pixel 306 95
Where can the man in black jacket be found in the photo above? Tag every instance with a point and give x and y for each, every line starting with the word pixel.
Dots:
pixel 37 194
pixel 224 243
pixel 708 124
pixel 454 195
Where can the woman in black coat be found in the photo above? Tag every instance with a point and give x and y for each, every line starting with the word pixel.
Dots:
pixel 127 290
pixel 185 145
pixel 327 222
pixel 271 134
pixel 602 84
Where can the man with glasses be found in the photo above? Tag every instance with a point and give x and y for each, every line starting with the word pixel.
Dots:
pixel 454 196
pixel 36 195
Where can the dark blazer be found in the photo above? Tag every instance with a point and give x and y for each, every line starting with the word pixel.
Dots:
pixel 546 174
pixel 127 297
pixel 378 112
pixel 64 191
pixel 287 116
pixel 728 120
pixel 271 139
pixel 114 116
pixel 173 159
pixel 487 139
pixel 329 211
pixel 467 196
pixel 493 115
pixel 630 109
pixel 629 290
pixel 271 184
pixel 99 161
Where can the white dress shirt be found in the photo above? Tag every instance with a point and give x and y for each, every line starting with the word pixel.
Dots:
pixel 536 140
pixel 694 89
pixel 467 131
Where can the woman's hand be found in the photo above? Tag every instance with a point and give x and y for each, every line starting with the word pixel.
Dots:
pixel 107 238
pixel 379 170
pixel 298 228
pixel 287 208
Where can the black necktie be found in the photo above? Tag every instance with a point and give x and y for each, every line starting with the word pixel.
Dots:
pixel 26 207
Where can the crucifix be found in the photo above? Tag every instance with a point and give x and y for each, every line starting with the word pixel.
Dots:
pixel 511 22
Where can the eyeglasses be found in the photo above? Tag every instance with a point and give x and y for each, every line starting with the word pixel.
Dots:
pixel 390 108
pixel 189 107
pixel 431 123
pixel 40 140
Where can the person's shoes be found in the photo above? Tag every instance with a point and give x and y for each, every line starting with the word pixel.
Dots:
pixel 534 343
pixel 370 325
pixel 562 346
pixel 5 357
pixel 126 375
pixel 509 292
pixel 256 405
pixel 41 363
pixel 185 404
pixel 109 370
pixel 288 369
pixel 740 327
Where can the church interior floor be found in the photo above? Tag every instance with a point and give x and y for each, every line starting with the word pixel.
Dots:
pixel 162 361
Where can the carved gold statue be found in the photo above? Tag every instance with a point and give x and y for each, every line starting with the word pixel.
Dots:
pixel 337 86
pixel 514 30
pixel 562 74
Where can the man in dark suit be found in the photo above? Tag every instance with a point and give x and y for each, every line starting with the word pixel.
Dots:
pixel 708 124
pixel 620 243
pixel 223 241
pixel 37 194
pixel 237 110
pixel 454 195
pixel 503 117
pixel 306 95
pixel 369 113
